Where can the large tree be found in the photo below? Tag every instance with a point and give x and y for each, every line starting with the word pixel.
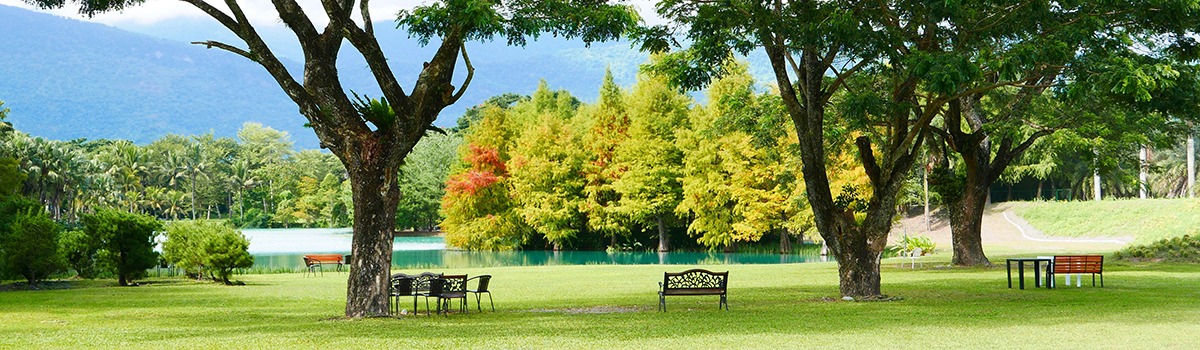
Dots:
pixel 878 72
pixel 1077 53
pixel 650 186
pixel 372 139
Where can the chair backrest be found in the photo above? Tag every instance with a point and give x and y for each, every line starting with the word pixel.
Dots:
pixel 483 283
pixel 916 252
pixel 402 285
pixel 455 283
pixel 437 286
pixel 421 282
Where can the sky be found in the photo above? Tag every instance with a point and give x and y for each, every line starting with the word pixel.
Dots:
pixel 260 12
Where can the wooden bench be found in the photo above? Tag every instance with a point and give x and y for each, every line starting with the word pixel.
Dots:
pixel 1079 264
pixel 693 282
pixel 315 261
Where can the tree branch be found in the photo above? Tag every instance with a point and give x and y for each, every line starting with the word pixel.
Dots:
pixel 470 75
pixel 870 164
pixel 368 46
pixel 220 45
pixel 368 27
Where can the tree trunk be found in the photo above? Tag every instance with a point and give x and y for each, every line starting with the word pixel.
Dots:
pixel 858 254
pixel 664 237
pixel 1143 171
pixel 785 242
pixel 966 224
pixel 375 195
pixel 1191 164
pixel 193 196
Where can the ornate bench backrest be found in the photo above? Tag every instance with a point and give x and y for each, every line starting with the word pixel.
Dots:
pixel 695 278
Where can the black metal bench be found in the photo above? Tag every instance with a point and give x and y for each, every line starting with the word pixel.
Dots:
pixel 693 282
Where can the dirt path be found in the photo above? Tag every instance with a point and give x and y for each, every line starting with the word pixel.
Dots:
pixel 1004 229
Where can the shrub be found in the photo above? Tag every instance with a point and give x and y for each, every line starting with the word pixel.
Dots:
pixel 127 241
pixel 201 247
pixel 911 243
pixel 31 248
pixel 12 207
pixel 80 251
pixel 1178 249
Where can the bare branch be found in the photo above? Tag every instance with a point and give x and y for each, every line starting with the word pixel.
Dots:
pixel 366 16
pixel 216 14
pixel 223 46
pixel 470 75
pixel 294 17
pixel 366 45
pixel 870 165
pixel 841 78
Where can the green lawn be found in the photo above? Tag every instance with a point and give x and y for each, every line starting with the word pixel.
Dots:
pixel 601 306
pixel 1147 220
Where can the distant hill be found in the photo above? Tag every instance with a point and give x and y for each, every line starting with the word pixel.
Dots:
pixel 64 78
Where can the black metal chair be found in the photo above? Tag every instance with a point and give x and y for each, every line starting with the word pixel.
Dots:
pixel 480 288
pixel 453 287
pixel 421 284
pixel 402 286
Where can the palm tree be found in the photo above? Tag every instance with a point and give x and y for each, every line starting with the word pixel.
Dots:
pixel 173 203
pixel 195 167
pixel 240 180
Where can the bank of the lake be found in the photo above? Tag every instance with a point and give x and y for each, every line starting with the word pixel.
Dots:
pixel 283 249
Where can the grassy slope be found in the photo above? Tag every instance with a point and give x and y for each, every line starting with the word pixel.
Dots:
pixel 1147 220
pixel 772 306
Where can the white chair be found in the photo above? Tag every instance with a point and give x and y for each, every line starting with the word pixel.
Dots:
pixel 913 255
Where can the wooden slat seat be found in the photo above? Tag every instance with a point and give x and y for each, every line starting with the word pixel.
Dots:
pixel 315 261
pixel 1079 264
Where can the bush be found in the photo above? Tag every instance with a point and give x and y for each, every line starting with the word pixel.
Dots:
pixel 207 246
pixel 80 251
pixel 1178 249
pixel 31 248
pixel 127 241
pixel 911 243
pixel 12 207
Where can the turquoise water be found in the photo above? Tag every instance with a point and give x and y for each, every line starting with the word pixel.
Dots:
pixel 284 249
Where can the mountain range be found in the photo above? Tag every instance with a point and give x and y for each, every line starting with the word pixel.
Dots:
pixel 66 79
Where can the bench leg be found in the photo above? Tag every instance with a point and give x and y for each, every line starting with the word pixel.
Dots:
pixel 724 302
pixel 662 302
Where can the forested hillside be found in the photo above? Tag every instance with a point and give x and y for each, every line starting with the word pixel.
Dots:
pixel 67 79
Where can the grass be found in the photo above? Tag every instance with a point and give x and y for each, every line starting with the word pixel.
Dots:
pixel 615 306
pixel 1147 220
pixel 606 306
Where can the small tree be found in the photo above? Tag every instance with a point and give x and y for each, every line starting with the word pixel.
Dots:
pixel 127 240
pixel 185 245
pixel 31 248
pixel 227 250
pixel 197 246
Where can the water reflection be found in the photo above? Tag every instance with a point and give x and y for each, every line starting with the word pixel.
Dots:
pixel 284 249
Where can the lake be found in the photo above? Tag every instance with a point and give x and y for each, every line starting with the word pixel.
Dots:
pixel 284 249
